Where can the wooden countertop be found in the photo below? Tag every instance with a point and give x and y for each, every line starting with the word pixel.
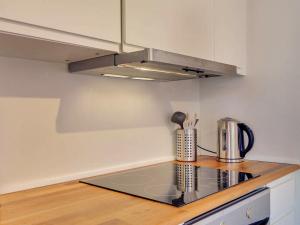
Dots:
pixel 74 203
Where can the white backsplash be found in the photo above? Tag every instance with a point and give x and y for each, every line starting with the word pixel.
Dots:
pixel 57 126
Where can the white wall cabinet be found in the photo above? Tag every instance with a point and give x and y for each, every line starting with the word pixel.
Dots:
pixel 209 29
pixel 92 24
pixel 92 18
pixel 172 25
pixel 230 33
pixel 283 200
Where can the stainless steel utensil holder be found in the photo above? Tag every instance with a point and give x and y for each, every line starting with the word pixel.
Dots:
pixel 186 145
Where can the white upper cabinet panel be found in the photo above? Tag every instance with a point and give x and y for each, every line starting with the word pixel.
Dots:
pixel 230 33
pixel 178 26
pixel 100 19
pixel 208 29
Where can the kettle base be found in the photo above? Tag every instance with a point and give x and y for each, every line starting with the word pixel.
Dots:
pixel 230 160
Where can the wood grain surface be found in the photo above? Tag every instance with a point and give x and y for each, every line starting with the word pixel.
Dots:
pixel 75 203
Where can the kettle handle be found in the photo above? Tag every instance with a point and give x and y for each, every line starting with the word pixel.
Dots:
pixel 243 127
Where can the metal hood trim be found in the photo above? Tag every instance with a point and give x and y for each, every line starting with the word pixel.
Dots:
pixel 154 64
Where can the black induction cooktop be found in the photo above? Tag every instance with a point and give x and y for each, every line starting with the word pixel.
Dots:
pixel 171 183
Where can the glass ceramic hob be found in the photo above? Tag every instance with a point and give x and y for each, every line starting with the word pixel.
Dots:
pixel 171 183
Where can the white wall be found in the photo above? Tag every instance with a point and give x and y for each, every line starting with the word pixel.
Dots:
pixel 56 126
pixel 268 99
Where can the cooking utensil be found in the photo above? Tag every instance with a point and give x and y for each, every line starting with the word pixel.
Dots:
pixel 187 123
pixel 190 123
pixel 196 121
pixel 179 118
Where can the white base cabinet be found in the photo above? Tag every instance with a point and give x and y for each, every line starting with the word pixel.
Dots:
pixel 288 219
pixel 297 207
pixel 283 200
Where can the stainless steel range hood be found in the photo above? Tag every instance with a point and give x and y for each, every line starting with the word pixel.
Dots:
pixel 152 64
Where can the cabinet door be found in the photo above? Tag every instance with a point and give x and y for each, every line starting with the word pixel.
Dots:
pixel 230 33
pixel 289 219
pixel 283 194
pixel 93 18
pixel 183 27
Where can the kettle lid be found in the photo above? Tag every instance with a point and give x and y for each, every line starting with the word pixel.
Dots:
pixel 227 119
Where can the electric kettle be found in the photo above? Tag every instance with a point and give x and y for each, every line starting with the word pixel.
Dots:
pixel 231 143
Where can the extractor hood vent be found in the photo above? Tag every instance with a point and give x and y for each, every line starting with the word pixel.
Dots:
pixel 152 64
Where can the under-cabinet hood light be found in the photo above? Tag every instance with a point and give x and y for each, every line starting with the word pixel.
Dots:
pixel 114 75
pixel 141 78
pixel 153 70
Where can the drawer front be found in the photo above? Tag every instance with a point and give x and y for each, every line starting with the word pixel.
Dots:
pixel 248 211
